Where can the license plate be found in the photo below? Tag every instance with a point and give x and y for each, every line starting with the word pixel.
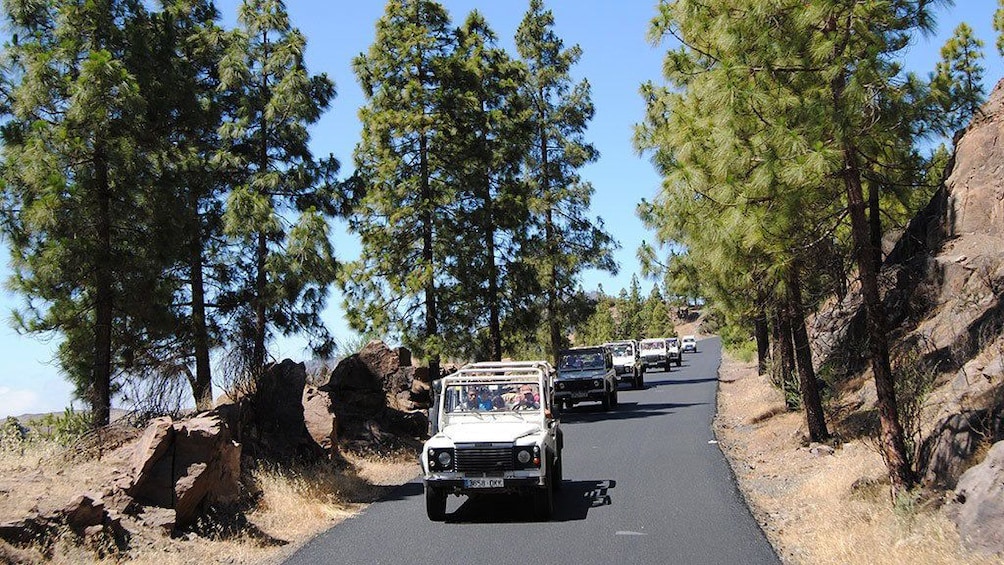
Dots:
pixel 484 483
pixel 580 394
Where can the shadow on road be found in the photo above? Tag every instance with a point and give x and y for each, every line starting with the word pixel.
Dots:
pixel 571 503
pixel 671 382
pixel 624 411
pixel 407 490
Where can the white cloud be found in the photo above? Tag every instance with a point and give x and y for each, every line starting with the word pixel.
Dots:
pixel 17 402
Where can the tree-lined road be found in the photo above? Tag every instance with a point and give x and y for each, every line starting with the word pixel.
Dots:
pixel 644 483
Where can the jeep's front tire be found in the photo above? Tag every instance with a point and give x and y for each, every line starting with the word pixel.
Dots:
pixel 435 503
pixel 556 474
pixel 543 498
pixel 606 401
pixel 679 361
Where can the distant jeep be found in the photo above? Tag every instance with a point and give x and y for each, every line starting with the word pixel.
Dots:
pixel 655 353
pixel 627 362
pixel 673 354
pixel 496 433
pixel 585 374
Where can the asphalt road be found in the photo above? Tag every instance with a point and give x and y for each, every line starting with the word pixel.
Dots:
pixel 644 483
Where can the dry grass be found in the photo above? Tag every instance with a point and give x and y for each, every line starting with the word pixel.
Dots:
pixel 287 506
pixel 828 508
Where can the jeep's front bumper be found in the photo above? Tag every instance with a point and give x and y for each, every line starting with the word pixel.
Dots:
pixel 459 483
pixel 594 395
pixel 626 369
pixel 653 360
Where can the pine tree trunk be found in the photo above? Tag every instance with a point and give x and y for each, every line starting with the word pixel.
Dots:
pixel 202 385
pixel 786 355
pixel 762 334
pixel 808 386
pixel 551 248
pixel 428 257
pixel 554 330
pixel 494 324
pixel 261 248
pixel 875 225
pixel 892 437
pixel 101 400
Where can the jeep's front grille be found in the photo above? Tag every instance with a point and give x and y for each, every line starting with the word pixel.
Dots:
pixel 575 385
pixel 477 458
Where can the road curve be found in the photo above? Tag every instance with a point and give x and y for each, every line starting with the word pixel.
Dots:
pixel 644 483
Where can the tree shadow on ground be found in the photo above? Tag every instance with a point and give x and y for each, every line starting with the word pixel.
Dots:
pixel 623 411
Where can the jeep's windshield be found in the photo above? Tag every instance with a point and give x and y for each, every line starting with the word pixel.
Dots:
pixel 649 345
pixel 492 397
pixel 622 350
pixel 581 361
pixel 672 341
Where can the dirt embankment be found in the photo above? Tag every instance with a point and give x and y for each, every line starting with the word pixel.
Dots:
pixel 821 504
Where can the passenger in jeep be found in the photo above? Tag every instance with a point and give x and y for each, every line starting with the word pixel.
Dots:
pixel 472 400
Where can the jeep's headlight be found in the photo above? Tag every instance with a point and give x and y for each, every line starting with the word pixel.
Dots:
pixel 596 384
pixel 441 458
pixel 527 457
pixel 560 385
pixel 445 459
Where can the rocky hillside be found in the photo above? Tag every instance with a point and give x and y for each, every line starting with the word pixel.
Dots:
pixel 943 280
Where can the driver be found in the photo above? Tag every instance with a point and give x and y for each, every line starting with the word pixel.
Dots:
pixel 528 401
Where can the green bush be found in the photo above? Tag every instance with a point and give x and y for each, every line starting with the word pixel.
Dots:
pixel 13 435
pixel 62 429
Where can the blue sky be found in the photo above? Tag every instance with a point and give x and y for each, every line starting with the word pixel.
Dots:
pixel 616 60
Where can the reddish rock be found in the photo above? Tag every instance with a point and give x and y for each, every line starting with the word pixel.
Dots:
pixel 200 464
pixel 383 361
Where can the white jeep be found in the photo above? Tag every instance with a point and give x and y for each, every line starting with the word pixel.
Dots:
pixel 627 362
pixel 496 433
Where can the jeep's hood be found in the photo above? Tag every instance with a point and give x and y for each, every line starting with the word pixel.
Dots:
pixel 623 359
pixel 469 432
pixel 583 374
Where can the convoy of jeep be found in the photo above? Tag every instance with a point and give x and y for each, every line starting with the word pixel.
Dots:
pixel 496 427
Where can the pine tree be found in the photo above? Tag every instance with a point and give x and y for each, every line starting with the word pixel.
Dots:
pixel 999 26
pixel 78 198
pixel 631 308
pixel 403 218
pixel 569 240
pixel 278 205
pixel 957 83
pixel 489 281
pixel 658 323
pixel 186 113
pixel 793 98
pixel 599 328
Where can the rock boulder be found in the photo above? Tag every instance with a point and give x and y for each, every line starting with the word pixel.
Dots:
pixel 185 465
pixel 979 504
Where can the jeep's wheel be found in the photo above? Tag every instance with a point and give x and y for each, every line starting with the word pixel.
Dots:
pixel 606 401
pixel 543 499
pixel 667 366
pixel 615 401
pixel 639 383
pixel 679 361
pixel 556 474
pixel 435 503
